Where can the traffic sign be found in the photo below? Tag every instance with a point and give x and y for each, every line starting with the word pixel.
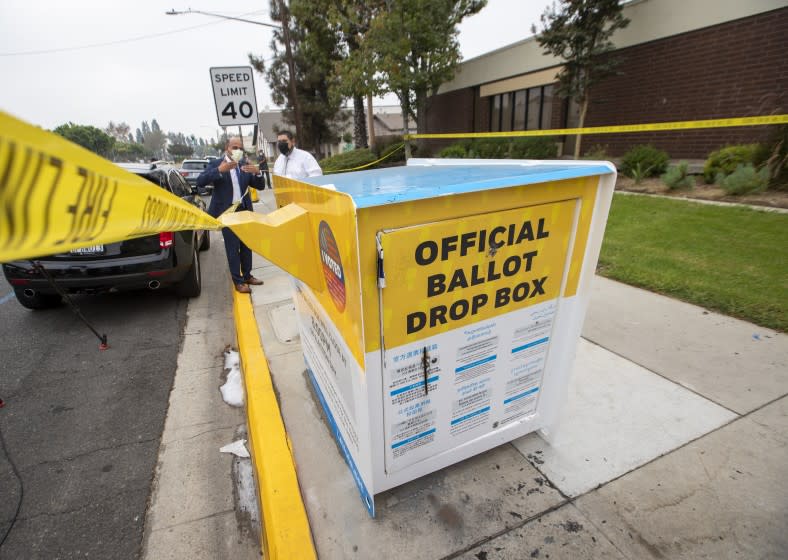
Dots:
pixel 233 92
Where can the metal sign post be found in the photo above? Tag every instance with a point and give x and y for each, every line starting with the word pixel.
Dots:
pixel 233 92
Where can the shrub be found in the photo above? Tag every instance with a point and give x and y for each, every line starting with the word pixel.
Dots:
pixel 399 154
pixel 676 177
pixel 727 159
pixel 453 151
pixel 597 151
pixel 639 172
pixel 347 160
pixel 644 161
pixel 745 179
pixel 384 142
pixel 773 154
pixel 490 148
pixel 533 147
pixel 538 147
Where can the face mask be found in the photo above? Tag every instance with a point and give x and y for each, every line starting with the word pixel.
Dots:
pixel 237 155
pixel 284 148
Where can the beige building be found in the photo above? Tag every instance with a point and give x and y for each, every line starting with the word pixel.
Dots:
pixel 679 60
pixel 387 122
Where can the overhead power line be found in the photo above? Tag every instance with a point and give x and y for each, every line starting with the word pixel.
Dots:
pixel 121 41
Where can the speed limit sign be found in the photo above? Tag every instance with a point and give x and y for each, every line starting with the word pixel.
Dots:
pixel 233 92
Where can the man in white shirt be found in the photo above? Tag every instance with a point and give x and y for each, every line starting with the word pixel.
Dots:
pixel 292 162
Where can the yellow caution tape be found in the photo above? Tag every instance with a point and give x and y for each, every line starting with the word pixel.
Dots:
pixel 388 155
pixel 56 196
pixel 617 129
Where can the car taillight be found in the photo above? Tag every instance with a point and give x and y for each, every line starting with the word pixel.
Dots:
pixel 184 173
pixel 19 281
pixel 165 239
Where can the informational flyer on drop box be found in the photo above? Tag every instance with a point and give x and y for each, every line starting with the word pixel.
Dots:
pixel 459 385
pixel 467 319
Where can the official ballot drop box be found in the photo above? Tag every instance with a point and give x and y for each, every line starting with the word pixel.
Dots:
pixel 446 315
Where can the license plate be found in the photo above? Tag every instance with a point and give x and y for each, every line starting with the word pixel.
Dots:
pixel 92 250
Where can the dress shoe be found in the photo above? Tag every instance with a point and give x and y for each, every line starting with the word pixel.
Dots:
pixel 243 288
pixel 254 281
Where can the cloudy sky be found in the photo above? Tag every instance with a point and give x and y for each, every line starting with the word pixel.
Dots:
pixel 92 61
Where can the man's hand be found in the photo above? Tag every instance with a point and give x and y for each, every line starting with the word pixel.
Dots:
pixel 249 168
pixel 226 166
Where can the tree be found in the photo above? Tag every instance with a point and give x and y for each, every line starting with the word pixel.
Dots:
pixel 579 32
pixel 353 19
pixel 315 49
pixel 415 43
pixel 128 151
pixel 180 150
pixel 139 138
pixel 154 139
pixel 118 131
pixel 88 137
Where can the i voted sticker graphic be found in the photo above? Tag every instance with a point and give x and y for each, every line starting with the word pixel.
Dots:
pixel 332 266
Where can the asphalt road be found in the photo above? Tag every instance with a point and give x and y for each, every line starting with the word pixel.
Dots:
pixel 82 425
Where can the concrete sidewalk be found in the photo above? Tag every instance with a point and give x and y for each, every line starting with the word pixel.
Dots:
pixel 672 445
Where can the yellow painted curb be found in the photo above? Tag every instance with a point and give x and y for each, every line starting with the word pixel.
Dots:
pixel 286 532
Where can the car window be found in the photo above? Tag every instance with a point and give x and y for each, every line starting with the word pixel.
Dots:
pixel 198 165
pixel 178 185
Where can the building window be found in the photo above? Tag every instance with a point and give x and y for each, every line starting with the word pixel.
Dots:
pixel 506 112
pixel 547 106
pixel 525 109
pixel 534 108
pixel 519 109
pixel 495 113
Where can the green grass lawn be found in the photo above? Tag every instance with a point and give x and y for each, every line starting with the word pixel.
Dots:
pixel 728 259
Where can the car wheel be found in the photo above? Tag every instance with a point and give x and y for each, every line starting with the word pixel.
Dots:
pixel 205 244
pixel 37 300
pixel 191 285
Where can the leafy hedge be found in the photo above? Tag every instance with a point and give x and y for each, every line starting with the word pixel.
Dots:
pixel 347 160
pixel 537 147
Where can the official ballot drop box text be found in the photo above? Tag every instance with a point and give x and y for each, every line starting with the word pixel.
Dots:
pixel 447 314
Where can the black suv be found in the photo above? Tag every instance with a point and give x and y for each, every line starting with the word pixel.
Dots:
pixel 153 261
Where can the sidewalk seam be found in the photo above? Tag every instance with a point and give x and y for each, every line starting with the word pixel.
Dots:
pixel 519 525
pixel 690 389
pixel 285 526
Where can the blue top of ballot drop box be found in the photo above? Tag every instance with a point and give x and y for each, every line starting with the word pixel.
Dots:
pixel 423 178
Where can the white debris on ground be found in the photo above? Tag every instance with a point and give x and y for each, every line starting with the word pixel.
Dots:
pixel 232 390
pixel 246 493
pixel 237 448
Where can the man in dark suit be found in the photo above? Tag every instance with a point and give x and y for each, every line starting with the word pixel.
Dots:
pixel 230 176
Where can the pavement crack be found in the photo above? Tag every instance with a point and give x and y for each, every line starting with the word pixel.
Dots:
pixel 218 428
pixel 92 451
pixel 180 524
pixel 524 522
pixel 108 498
pixel 601 529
